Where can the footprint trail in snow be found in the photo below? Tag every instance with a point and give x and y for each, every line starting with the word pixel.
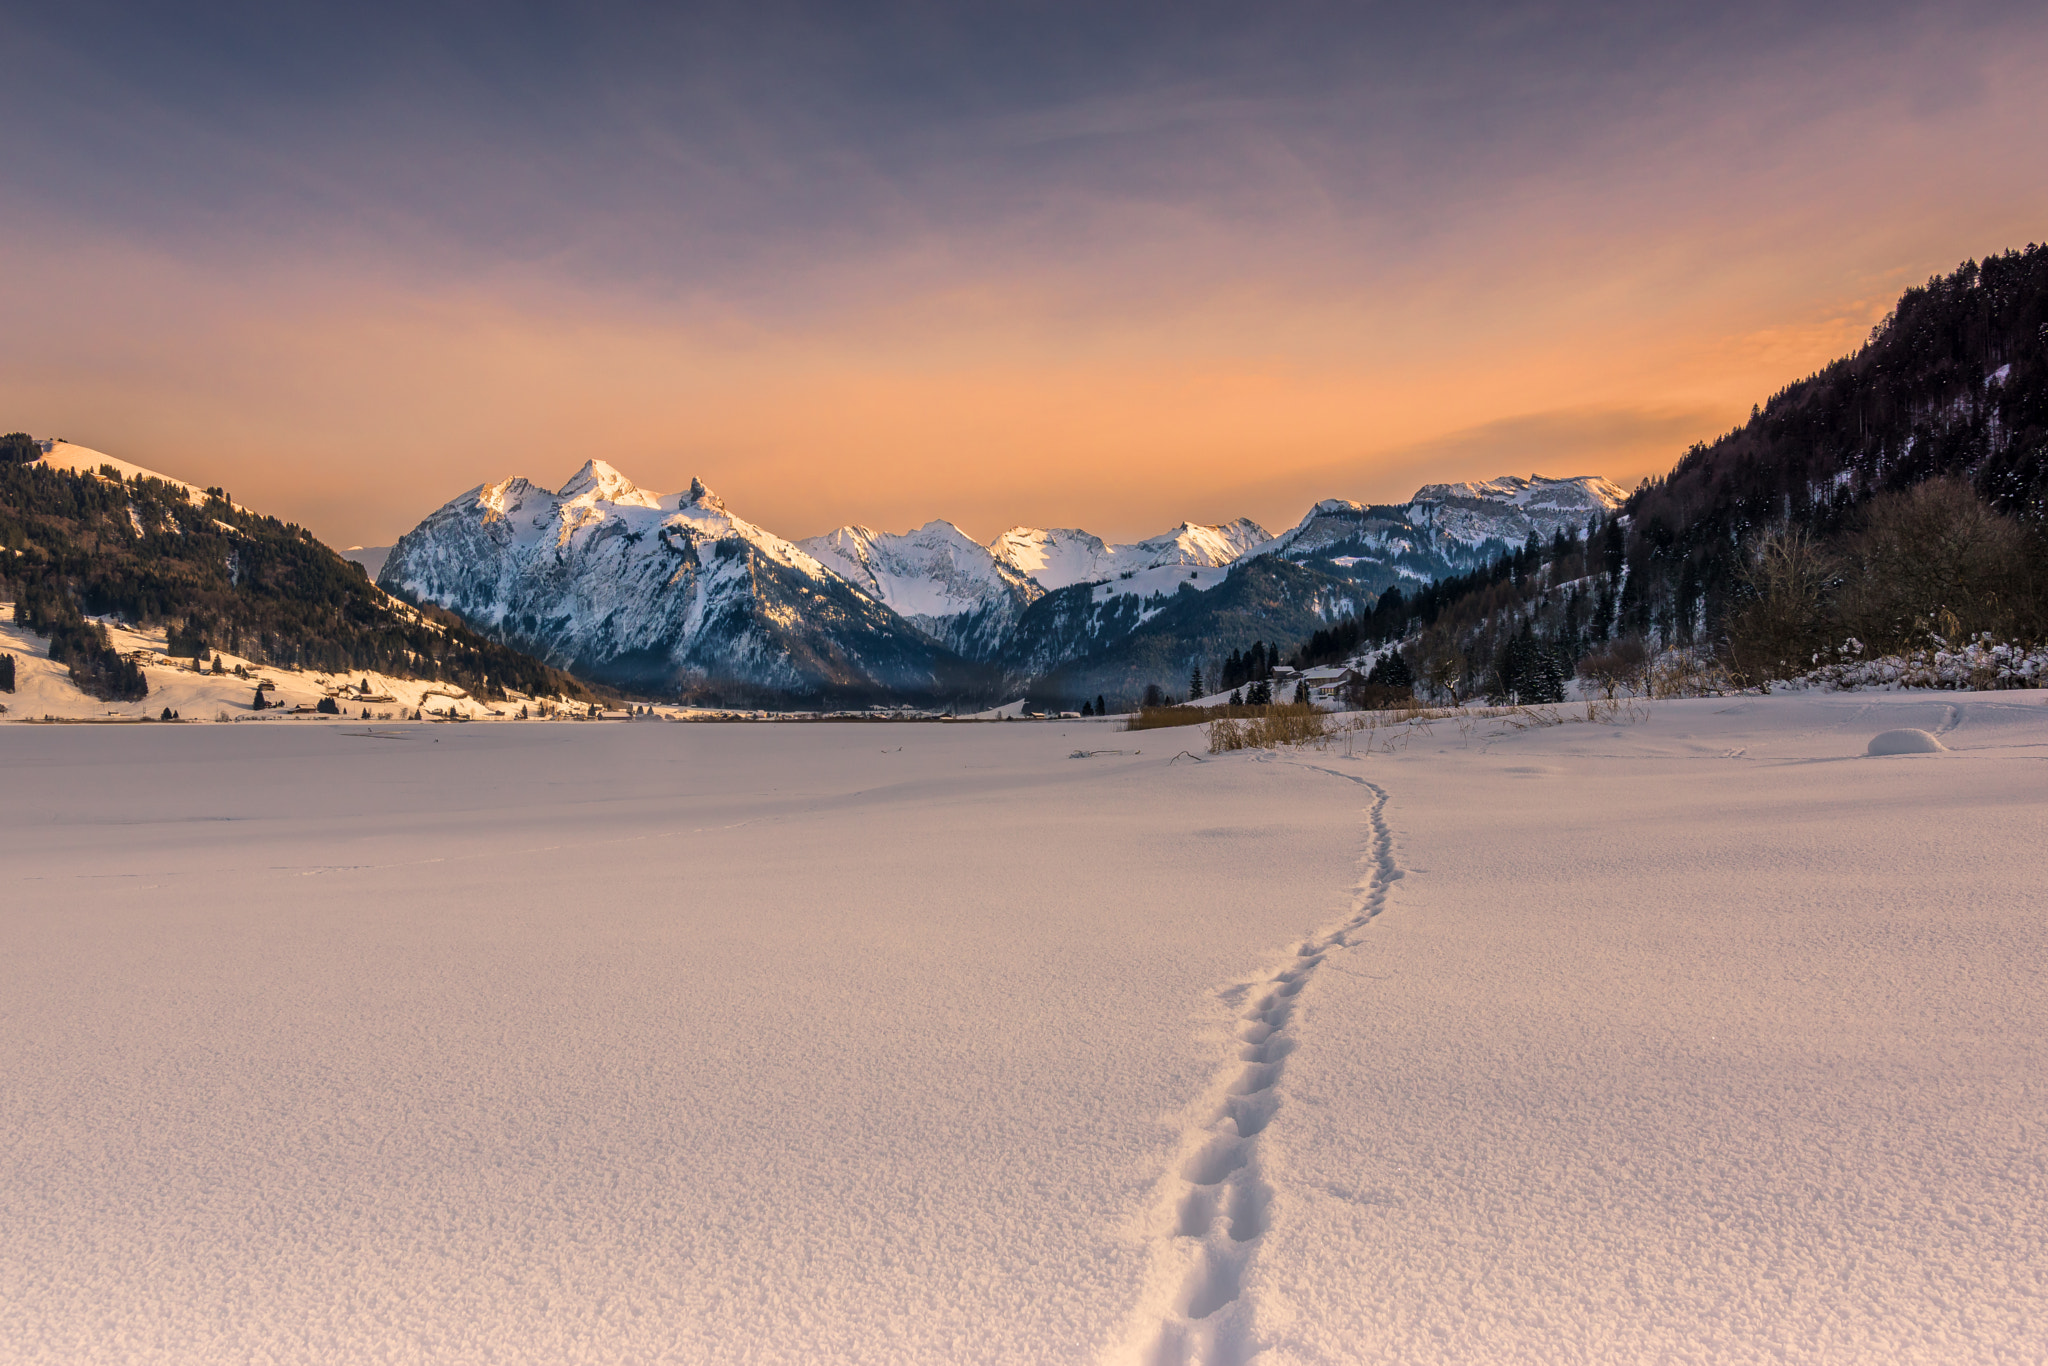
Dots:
pixel 1194 1309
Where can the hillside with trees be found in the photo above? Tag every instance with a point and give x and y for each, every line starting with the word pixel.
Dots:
pixel 1895 499
pixel 77 544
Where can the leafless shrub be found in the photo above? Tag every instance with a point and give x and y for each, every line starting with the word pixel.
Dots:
pixel 1621 669
pixel 1776 632
pixel 1688 673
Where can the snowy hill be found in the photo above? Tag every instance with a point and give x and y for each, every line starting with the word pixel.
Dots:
pixel 937 577
pixel 68 455
pixel 671 592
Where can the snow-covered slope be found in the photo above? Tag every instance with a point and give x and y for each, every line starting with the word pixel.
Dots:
pixel 1064 556
pixel 45 691
pixel 940 579
pixel 66 455
pixel 1698 1040
pixel 659 591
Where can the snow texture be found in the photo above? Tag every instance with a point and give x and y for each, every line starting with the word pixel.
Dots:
pixel 1700 1039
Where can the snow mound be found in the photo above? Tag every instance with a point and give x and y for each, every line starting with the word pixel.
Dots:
pixel 1904 742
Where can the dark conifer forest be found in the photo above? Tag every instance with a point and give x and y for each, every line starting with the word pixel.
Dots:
pixel 1896 498
pixel 75 545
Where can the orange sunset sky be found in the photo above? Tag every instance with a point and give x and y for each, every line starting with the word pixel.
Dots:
pixel 1108 267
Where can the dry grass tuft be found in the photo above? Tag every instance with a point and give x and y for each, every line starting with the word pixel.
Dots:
pixel 1266 727
pixel 1164 718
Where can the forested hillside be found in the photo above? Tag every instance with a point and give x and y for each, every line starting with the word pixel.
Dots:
pixel 78 544
pixel 1896 497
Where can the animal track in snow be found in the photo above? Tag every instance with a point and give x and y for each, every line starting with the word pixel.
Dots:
pixel 1217 1206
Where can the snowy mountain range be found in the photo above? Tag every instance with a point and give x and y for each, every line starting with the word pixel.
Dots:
pixel 664 592
pixel 673 592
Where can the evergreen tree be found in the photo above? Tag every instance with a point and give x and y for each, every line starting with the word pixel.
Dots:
pixel 6 673
pixel 1390 670
pixel 1195 688
pixel 1545 680
pixel 1087 708
pixel 1301 692
pixel 1100 708
pixel 1237 697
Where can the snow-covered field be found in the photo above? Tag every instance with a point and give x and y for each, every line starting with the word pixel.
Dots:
pixel 1700 1039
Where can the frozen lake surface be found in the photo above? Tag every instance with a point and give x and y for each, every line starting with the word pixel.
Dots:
pixel 1706 1038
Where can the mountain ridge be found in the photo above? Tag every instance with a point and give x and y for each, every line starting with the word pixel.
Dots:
pixel 674 592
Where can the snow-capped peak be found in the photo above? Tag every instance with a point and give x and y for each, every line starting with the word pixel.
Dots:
pixel 599 482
